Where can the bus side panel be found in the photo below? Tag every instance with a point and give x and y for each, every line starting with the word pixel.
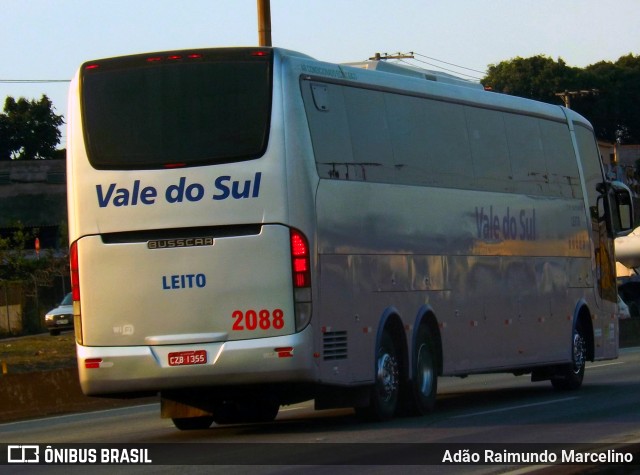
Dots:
pixel 513 291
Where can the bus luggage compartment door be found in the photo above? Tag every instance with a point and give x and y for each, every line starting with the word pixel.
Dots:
pixel 160 291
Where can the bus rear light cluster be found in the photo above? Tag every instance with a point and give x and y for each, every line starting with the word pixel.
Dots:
pixel 75 290
pixel 301 274
pixel 75 274
pixel 300 260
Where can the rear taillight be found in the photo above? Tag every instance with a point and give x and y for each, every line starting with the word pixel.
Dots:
pixel 75 274
pixel 301 274
pixel 75 290
pixel 300 260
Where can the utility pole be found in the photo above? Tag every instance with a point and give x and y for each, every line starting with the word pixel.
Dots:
pixel 567 95
pixel 264 23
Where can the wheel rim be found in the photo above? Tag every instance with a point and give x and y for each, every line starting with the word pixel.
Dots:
pixel 424 373
pixel 387 376
pixel 579 353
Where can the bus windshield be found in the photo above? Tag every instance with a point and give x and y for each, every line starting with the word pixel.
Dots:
pixel 169 110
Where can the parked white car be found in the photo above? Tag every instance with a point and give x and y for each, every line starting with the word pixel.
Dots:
pixel 61 317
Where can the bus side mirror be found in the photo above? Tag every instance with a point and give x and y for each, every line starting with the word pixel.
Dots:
pixel 622 212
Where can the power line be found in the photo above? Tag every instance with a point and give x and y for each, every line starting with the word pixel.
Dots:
pixel 411 55
pixel 450 64
pixel 447 69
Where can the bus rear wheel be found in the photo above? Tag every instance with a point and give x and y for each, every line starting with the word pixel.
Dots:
pixel 425 373
pixel 383 396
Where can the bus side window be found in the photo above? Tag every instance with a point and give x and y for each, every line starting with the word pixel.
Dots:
pixel 329 127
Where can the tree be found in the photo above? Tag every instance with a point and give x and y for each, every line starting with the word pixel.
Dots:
pixel 538 77
pixel 613 110
pixel 13 263
pixel 17 260
pixel 29 129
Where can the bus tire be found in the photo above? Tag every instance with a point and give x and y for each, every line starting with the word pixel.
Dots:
pixel 192 423
pixel 424 384
pixel 383 395
pixel 570 376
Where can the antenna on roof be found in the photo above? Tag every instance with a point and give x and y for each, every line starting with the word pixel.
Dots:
pixel 385 56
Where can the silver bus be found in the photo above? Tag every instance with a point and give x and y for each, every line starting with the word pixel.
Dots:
pixel 251 228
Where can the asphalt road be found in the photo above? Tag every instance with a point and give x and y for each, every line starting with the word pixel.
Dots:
pixel 488 409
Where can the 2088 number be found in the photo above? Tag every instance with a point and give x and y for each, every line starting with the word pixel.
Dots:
pixel 261 319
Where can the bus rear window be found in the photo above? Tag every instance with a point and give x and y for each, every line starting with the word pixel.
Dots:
pixel 173 109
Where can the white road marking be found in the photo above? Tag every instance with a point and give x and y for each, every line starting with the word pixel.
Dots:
pixel 604 364
pixel 511 408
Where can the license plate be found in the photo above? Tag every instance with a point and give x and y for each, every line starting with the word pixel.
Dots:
pixel 62 322
pixel 183 358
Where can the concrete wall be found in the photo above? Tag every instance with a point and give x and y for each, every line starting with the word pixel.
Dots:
pixel 33 192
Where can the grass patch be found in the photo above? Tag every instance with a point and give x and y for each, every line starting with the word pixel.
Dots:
pixel 38 353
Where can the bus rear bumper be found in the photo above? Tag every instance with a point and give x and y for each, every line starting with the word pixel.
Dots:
pixel 142 369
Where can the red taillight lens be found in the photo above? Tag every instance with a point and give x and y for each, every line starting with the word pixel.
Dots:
pixel 92 363
pixel 300 260
pixel 284 352
pixel 75 272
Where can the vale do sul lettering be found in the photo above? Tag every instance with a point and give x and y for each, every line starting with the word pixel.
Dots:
pixel 223 187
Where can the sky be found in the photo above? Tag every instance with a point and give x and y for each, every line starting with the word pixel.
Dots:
pixel 49 39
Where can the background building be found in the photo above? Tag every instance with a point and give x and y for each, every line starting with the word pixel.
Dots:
pixel 33 193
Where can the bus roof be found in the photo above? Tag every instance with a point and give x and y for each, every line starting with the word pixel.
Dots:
pixel 407 70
